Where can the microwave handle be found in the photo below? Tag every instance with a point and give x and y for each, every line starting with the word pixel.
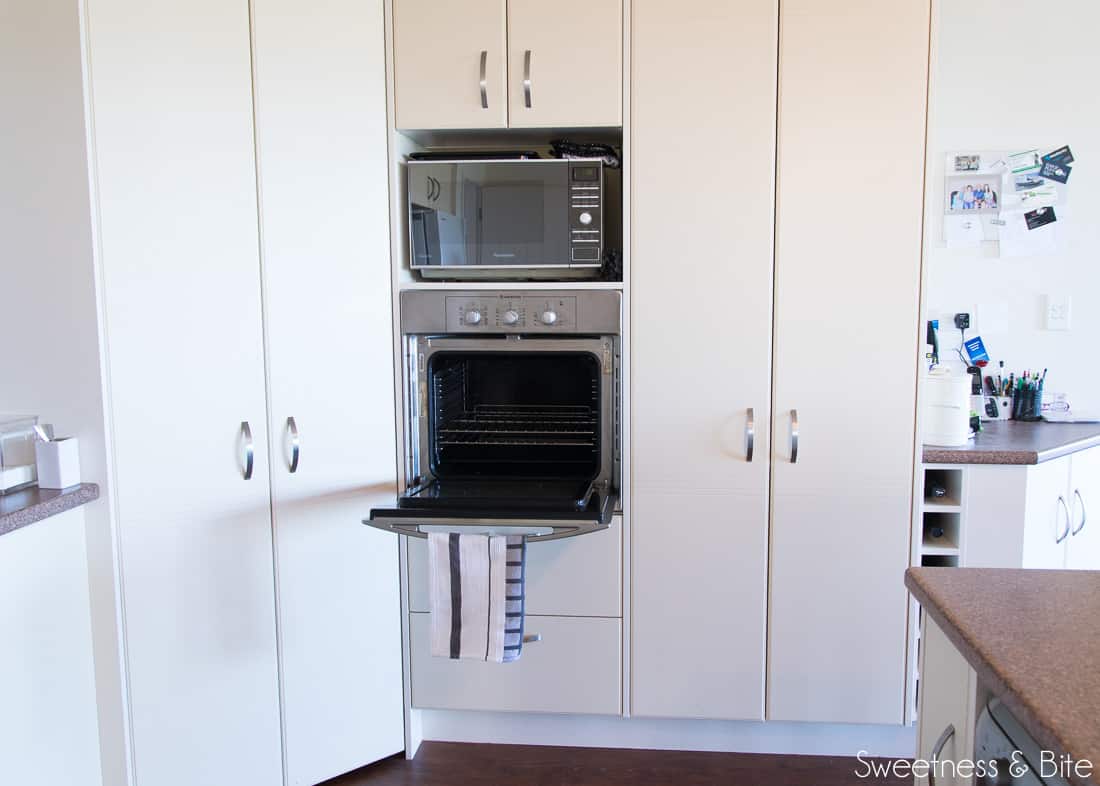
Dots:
pixel 527 78
pixel 481 83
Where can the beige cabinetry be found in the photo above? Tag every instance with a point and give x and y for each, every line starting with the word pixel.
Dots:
pixel 507 63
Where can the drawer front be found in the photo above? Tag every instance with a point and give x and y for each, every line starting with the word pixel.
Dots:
pixel 576 668
pixel 579 577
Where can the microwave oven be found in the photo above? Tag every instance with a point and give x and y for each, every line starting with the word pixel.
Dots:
pixel 506 219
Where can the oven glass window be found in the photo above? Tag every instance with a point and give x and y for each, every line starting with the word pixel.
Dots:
pixel 489 214
pixel 514 414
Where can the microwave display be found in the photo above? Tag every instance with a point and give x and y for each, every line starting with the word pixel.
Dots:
pixel 498 219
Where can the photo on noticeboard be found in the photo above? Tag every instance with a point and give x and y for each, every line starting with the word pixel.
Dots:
pixel 972 194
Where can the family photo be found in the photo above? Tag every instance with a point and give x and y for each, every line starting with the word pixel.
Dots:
pixel 964 195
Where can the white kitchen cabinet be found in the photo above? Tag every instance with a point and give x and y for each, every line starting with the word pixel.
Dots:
pixel 325 252
pixel 1034 516
pixel 450 64
pixel 507 63
pixel 551 575
pixel 1047 517
pixel 565 63
pixel 847 284
pixel 1083 551
pixel 576 668
pixel 176 200
pixel 701 356
pixel 948 689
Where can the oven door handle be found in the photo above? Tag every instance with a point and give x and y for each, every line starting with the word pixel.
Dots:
pixel 533 529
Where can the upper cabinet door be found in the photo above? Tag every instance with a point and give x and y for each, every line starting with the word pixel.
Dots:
pixel 565 63
pixel 852 89
pixel 449 64
pixel 699 510
pixel 325 234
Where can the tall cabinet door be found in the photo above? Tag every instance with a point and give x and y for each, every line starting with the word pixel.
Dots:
pixel 565 63
pixel 176 195
pixel 853 83
pixel 701 279
pixel 450 64
pixel 321 129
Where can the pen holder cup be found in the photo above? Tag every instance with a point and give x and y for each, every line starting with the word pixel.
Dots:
pixel 1028 406
pixel 1004 407
pixel 58 463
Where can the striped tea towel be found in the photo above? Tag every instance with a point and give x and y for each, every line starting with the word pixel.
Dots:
pixel 476 586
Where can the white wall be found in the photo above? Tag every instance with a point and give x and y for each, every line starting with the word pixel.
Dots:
pixel 1002 80
pixel 51 357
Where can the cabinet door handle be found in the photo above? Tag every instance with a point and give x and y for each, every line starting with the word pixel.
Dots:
pixel 937 749
pixel 794 436
pixel 484 92
pixel 1084 513
pixel 292 433
pixel 1065 533
pixel 527 79
pixel 249 449
pixel 750 433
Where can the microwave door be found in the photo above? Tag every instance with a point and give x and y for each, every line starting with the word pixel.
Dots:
pixel 511 224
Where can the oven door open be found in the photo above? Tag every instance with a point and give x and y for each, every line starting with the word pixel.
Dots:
pixel 508 436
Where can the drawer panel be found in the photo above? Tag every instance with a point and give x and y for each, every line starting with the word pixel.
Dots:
pixel 576 668
pixel 579 576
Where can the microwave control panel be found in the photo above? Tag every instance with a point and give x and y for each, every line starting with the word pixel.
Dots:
pixel 504 314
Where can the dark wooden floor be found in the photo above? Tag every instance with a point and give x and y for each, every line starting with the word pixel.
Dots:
pixel 457 764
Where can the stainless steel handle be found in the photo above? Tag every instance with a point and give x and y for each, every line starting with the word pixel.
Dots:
pixel 1065 507
pixel 1084 513
pixel 750 432
pixel 484 93
pixel 527 79
pixel 249 449
pixel 794 436
pixel 295 445
pixel 937 749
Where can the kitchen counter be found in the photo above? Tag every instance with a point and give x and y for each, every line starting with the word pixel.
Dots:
pixel 25 507
pixel 1031 637
pixel 1016 442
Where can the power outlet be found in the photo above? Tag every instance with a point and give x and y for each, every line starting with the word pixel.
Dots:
pixel 1056 312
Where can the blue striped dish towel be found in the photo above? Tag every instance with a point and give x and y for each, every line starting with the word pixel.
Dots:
pixel 476 587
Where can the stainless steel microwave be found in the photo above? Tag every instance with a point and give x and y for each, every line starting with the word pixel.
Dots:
pixel 501 219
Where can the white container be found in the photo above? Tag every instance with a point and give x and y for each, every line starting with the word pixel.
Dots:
pixel 946 408
pixel 58 463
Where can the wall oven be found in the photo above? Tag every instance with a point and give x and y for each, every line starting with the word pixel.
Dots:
pixel 511 403
pixel 483 219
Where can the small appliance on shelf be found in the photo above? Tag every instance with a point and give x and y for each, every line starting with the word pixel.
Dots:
pixel 479 216
pixel 17 462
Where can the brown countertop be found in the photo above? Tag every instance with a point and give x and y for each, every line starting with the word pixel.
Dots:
pixel 34 504
pixel 1033 637
pixel 1016 442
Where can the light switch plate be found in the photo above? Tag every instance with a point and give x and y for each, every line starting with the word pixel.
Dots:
pixel 1056 312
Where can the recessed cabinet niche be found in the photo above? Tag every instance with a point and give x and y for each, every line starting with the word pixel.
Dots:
pixel 507 64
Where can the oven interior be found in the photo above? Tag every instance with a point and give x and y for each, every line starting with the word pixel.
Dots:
pixel 511 432
pixel 514 415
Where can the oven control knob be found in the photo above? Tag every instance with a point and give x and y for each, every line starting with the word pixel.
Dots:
pixel 549 317
pixel 510 317
pixel 585 218
pixel 473 317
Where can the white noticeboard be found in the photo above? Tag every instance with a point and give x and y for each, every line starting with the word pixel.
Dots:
pixel 997 195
